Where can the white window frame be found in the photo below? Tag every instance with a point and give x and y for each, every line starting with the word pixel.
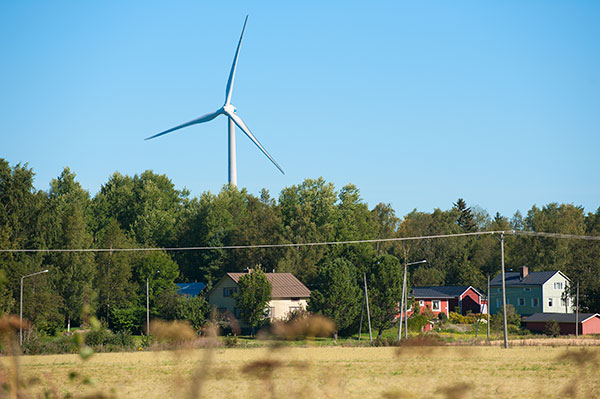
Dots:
pixel 550 302
pixel 534 302
pixel 527 289
pixel 558 286
pixel 521 301
pixel 433 305
pixel 421 303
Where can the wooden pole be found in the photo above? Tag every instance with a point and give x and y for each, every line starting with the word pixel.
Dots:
pixel 147 305
pixel 577 312
pixel 488 308
pixel 401 309
pixel 362 309
pixel 368 313
pixel 503 290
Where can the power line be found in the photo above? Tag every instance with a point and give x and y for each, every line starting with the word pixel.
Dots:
pixel 307 244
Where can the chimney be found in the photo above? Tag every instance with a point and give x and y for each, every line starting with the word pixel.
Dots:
pixel 524 272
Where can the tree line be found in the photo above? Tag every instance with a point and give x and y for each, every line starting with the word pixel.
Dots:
pixel 147 210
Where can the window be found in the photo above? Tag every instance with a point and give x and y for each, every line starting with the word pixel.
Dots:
pixel 229 291
pixel 521 301
pixel 563 302
pixel 498 302
pixel 550 302
pixel 498 289
pixel 534 302
pixel 421 303
pixel 527 289
pixel 270 311
pixel 558 286
pixel 236 312
pixel 435 305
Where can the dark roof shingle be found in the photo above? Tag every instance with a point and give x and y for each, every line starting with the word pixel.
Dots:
pixel 559 317
pixel 533 278
pixel 442 292
pixel 283 285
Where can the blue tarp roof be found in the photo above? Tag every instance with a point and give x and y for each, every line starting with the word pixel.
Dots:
pixel 191 289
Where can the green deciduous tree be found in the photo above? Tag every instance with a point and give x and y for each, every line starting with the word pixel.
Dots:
pixel 384 279
pixel 336 293
pixel 254 292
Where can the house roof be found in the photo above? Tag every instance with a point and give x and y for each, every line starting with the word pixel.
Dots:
pixel 283 285
pixel 441 292
pixel 192 289
pixel 533 278
pixel 559 317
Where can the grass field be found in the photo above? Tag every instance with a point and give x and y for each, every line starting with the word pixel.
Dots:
pixel 321 372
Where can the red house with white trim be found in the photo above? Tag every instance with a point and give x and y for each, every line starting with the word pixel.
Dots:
pixel 446 299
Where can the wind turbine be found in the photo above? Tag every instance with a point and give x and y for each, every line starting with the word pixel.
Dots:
pixel 233 119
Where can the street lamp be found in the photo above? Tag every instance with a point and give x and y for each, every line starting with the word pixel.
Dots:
pixel 148 304
pixel 404 301
pixel 21 305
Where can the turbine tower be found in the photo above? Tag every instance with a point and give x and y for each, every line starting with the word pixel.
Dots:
pixel 232 120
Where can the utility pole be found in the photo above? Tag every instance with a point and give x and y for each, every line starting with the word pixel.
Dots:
pixel 362 309
pixel 503 290
pixel 148 305
pixel 488 308
pixel 577 312
pixel 21 305
pixel 402 305
pixel 368 313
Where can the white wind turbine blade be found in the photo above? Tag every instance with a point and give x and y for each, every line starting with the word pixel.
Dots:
pixel 233 66
pixel 240 123
pixel 202 119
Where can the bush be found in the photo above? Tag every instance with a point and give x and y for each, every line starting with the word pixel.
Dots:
pixel 416 323
pixel 552 328
pixel 127 319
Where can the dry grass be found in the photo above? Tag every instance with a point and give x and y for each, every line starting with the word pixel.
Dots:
pixel 333 372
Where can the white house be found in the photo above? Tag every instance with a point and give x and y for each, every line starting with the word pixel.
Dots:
pixel 287 294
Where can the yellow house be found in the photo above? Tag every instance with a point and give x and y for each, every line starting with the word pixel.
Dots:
pixel 287 294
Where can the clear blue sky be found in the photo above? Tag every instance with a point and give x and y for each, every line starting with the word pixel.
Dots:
pixel 417 103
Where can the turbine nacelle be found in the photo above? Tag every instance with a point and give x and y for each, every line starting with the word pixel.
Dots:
pixel 229 109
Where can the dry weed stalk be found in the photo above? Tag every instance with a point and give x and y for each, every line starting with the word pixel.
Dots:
pixel 310 326
pixel 175 334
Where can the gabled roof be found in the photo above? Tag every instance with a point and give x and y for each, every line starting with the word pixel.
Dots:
pixel 192 289
pixel 441 292
pixel 283 285
pixel 560 317
pixel 533 278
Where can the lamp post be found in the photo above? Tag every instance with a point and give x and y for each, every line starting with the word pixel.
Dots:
pixel 148 303
pixel 404 300
pixel 21 305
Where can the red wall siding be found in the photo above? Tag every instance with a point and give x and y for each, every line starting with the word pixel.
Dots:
pixel 471 301
pixel 428 304
pixel 591 326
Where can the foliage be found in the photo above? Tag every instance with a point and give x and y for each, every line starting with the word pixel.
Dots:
pixel 192 309
pixel 417 322
pixel 552 328
pixel 128 319
pixel 254 292
pixel 336 294
pixel 384 280
pixel 147 210
pixel 512 318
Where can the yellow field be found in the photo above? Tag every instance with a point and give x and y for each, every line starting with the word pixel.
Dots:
pixel 331 372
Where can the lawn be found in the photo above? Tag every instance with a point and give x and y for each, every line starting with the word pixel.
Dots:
pixel 321 372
